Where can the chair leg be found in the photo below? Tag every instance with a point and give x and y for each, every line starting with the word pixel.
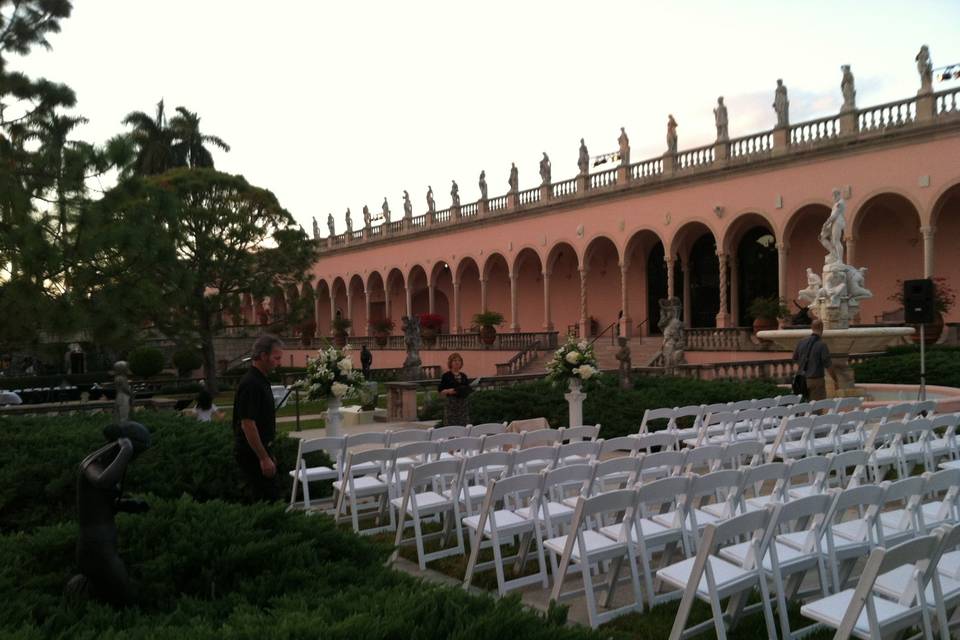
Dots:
pixel 419 537
pixel 612 577
pixel 498 562
pixel 718 620
pixel 475 539
pixel 305 485
pixel 588 591
pixel 353 513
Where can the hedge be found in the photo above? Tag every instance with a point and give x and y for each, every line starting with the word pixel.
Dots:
pixel 901 365
pixel 38 477
pixel 618 411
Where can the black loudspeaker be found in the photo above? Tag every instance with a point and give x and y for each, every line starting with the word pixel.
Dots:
pixel 918 301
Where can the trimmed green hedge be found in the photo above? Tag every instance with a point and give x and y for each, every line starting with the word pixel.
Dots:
pixel 618 412
pixel 901 365
pixel 38 477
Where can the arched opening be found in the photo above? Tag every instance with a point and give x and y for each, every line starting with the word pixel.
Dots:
pixel 322 295
pixel 308 303
pixel 396 300
pixel 358 307
pixel 563 266
pixel 638 254
pixel 887 241
pixel 751 246
pixel 339 298
pixel 602 262
pixel 695 248
pixel 417 284
pixel 656 282
pixel 497 275
pixel 803 249
pixel 442 292
pixel 378 297
pixel 468 275
pixel 946 222
pixel 529 273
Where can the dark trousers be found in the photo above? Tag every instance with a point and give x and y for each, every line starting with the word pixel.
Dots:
pixel 260 489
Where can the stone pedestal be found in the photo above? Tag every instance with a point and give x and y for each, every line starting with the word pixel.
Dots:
pixel 669 163
pixel 926 106
pixel 848 123
pixel 355 416
pixel 623 174
pixel 334 423
pixel 512 200
pixel 545 192
pixel 482 207
pixel 845 381
pixel 575 398
pixel 401 401
pixel 583 183
pixel 781 141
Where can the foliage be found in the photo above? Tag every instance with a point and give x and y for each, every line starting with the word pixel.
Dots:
pixel 618 412
pixel 488 319
pixel 771 308
pixel 901 365
pixel 145 362
pixel 341 324
pixel 431 321
pixel 187 359
pixel 944 297
pixel 572 360
pixel 331 373
pixel 384 325
pixel 38 478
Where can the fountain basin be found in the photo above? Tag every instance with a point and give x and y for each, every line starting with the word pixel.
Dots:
pixel 842 341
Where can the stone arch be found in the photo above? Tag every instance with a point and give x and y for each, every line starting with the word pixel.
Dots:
pixel 441 278
pixel 803 248
pixel 339 297
pixel 358 306
pixel 321 295
pixel 467 303
pixel 563 267
pixel 945 223
pixel 694 245
pixel 528 271
pixel 601 261
pixel 886 239
pixel 646 281
pixel 855 215
pixel 496 273
pixel 417 284
pixel 396 297
pixel 376 292
pixel 750 241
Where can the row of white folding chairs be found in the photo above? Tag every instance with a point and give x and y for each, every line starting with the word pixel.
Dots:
pixel 696 412
pixel 485 438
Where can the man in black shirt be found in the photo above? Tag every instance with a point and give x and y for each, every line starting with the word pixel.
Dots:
pixel 255 420
pixel 813 356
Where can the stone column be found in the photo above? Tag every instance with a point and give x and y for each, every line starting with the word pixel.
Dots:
pixel 670 290
pixel 584 319
pixel 783 251
pixel 928 234
pixel 408 294
pixel 333 309
pixel 625 322
pixel 723 316
pixel 349 314
pixel 431 297
pixel 547 320
pixel 685 270
pixel 734 291
pixel 514 304
pixel 387 306
pixel 366 304
pixel 456 308
pixel 851 243
pixel 483 294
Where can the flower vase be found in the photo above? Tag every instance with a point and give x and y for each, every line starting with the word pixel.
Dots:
pixel 574 400
pixel 334 425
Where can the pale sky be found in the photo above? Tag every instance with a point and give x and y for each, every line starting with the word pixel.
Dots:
pixel 338 104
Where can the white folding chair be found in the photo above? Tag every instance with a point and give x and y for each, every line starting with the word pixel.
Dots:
pixel 372 485
pixel 609 475
pixel 899 520
pixel 660 464
pixel 743 454
pixel 791 440
pixel 502 441
pixel 789 399
pixel 448 432
pixel 946 564
pixel 623 445
pixel 763 485
pixel 883 445
pixel 581 452
pixel 423 498
pixel 587 547
pixel 303 474
pixel 540 438
pixel 578 434
pixel 659 441
pixel 478 474
pixel 408 456
pixel 941 502
pixel 943 439
pixel 682 416
pixel 822 438
pixel 404 436
pixel 711 498
pixel 845 405
pixel 486 428
pixel 853 528
pixel 535 459
pixel 499 522
pixel 914 445
pixel 713 425
pixel 704 459
pixel 367 440
pixel 663 418
pixel 711 578
pixel 884 616
pixel 461 447
pixel 558 486
pixel 806 477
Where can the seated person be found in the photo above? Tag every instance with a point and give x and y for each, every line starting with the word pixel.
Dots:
pixel 206 410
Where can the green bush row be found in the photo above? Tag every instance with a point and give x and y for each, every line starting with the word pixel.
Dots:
pixel 901 365
pixel 219 570
pixel 38 477
pixel 618 411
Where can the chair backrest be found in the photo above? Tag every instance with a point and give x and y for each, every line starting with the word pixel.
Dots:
pixel 665 496
pixel 395 438
pixel 788 399
pixel 522 457
pixel 947 420
pixel 875 415
pixel 501 441
pixel 864 502
pixel 809 469
pixel 823 425
pixel 885 435
pixel 484 467
pixel 563 482
pixel 827 405
pixel 384 457
pixel 901 411
pixel 622 470
pixel 688 415
pixel 444 473
pixel 445 433
pixel 848 404
pixel 847 469
pixel 624 444
pixel 486 428
pixel 917 428
pixel 540 437
pixel 809 514
pixel 906 494
pixel 765 403
pixel 463 447
pixel 583 448
pixel 743 454
pixel 742 405
pixel 521 489
pixel 423 450
pixel 752 526
pixel 709 457
pixel 754 479
pixel 365 439
pixel 924 408
pixel 668 461
pixel 581 433
pixel 333 446
pixel 663 440
pixel 651 415
pixel 613 502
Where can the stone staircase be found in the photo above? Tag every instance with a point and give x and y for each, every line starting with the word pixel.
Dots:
pixel 642 351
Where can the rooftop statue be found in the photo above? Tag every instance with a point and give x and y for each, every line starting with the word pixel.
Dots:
pixel 514 181
pixel 316 229
pixel 545 168
pixel 925 69
pixel 483 185
pixel 349 222
pixel 781 105
pixel 407 206
pixel 454 195
pixel 431 205
pixel 848 89
pixel 671 135
pixel 624 143
pixel 385 210
pixel 366 216
pixel 330 225
pixel 583 162
pixel 720 117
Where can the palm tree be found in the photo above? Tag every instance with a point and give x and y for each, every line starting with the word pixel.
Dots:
pixel 154 142
pixel 189 147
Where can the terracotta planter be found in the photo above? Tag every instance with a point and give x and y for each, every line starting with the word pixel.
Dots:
pixel 488 334
pixel 429 336
pixel 381 338
pixel 765 324
pixel 931 331
pixel 340 340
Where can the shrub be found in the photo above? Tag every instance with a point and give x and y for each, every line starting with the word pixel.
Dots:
pixel 771 308
pixel 145 361
pixel 384 325
pixel 431 321
pixel 187 360
pixel 488 319
pixel 340 325
pixel 901 365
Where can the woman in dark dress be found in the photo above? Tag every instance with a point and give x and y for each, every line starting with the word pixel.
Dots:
pixel 455 387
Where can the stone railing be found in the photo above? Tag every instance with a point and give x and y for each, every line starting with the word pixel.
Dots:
pixel 519 362
pixel 776 370
pixel 841 130
pixel 506 341
pixel 728 339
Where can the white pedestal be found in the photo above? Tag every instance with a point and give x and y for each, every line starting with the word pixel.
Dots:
pixel 353 416
pixel 334 423
pixel 575 398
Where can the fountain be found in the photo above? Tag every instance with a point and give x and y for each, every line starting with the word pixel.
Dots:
pixel 834 297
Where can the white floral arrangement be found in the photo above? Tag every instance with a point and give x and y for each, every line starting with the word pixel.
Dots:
pixel 573 360
pixel 331 375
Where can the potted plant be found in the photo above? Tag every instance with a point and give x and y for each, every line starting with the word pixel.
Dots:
pixel 767 312
pixel 430 325
pixel 340 326
pixel 381 330
pixel 944 298
pixel 331 377
pixel 307 329
pixel 488 321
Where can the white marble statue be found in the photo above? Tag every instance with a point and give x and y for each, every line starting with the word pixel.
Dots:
pixel 814 287
pixel 925 69
pixel 855 283
pixel 583 161
pixel 835 286
pixel 483 185
pixel 831 234
pixel 720 117
pixel 781 105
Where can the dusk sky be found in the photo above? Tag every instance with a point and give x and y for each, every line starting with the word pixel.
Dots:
pixel 336 105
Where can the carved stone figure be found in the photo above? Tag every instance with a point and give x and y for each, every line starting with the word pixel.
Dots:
pixel 814 287
pixel 366 217
pixel 411 339
pixel 848 89
pixel 349 222
pixel 672 327
pixel 855 283
pixel 385 210
pixel 514 180
pixel 720 117
pixel 925 69
pixel 623 357
pixel 431 205
pixel 483 185
pixel 454 195
pixel 124 399
pixel 835 285
pixel 366 361
pixel 330 225
pixel 624 143
pixel 831 234
pixel 316 229
pixel 584 160
pixel 407 206
pixel 545 169
pixel 671 135
pixel 781 105
pixel 103 575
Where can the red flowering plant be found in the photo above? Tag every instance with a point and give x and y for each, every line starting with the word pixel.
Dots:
pixel 432 321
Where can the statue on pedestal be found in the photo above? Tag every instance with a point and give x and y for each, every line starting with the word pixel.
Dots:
pixel 671 135
pixel 781 105
pixel 124 399
pixel 514 180
pixel 330 225
pixel 366 217
pixel 545 169
pixel 848 90
pixel 431 205
pixel 349 223
pixel 720 117
pixel 831 234
pixel 454 195
pixel 483 185
pixel 623 357
pixel 624 143
pixel 316 229
pixel 583 162
pixel 385 211
pixel 407 206
pixel 925 69
pixel 672 327
pixel 814 287
pixel 411 339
